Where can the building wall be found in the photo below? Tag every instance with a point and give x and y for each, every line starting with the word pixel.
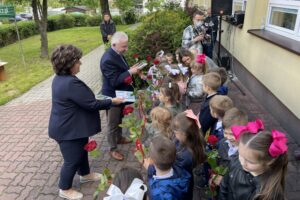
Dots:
pixel 275 67
pixel 270 72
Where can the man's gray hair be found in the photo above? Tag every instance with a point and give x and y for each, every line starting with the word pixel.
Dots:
pixel 118 36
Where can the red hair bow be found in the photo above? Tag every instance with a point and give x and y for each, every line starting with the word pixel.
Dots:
pixel 252 127
pixel 278 146
pixel 200 58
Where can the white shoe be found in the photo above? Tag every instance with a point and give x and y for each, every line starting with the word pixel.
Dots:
pixel 70 194
pixel 90 177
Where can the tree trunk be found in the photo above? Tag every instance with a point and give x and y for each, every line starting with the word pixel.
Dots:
pixel 40 17
pixel 104 7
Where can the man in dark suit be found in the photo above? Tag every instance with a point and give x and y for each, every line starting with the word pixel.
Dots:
pixel 116 76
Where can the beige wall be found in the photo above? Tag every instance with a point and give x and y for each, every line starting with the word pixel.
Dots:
pixel 275 67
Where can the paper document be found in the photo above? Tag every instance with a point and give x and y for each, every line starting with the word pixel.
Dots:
pixel 127 95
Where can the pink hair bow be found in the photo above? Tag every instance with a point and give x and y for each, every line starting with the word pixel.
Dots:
pixel 278 146
pixel 252 127
pixel 200 58
pixel 190 114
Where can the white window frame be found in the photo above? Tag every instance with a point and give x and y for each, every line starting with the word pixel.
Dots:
pixel 242 2
pixel 289 4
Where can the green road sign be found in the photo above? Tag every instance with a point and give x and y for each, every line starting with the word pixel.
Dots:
pixel 7 11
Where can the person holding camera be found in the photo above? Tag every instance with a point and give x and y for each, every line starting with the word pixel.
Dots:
pixel 212 23
pixel 194 34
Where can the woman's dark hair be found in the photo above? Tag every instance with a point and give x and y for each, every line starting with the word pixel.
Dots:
pixel 273 179
pixel 124 178
pixel 64 57
pixel 194 137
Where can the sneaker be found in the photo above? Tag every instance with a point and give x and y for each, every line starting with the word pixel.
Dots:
pixel 90 177
pixel 70 194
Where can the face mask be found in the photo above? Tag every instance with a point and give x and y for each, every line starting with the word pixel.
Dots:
pixel 198 24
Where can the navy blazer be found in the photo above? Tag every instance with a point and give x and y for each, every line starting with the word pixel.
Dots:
pixel 114 70
pixel 205 118
pixel 75 111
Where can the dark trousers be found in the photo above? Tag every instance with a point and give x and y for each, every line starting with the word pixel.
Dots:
pixel 105 39
pixel 75 160
pixel 114 131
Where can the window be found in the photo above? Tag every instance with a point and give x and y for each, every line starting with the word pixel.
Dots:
pixel 239 5
pixel 284 18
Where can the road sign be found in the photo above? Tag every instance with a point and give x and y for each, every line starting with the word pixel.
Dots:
pixel 7 11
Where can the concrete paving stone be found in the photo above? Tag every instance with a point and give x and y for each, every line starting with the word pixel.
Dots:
pixel 11 196
pixel 14 189
pixel 25 193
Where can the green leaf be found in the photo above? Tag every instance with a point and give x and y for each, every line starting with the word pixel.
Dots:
pixel 139 156
pixel 95 153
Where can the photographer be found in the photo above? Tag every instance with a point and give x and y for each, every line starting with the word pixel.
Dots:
pixel 212 23
pixel 195 34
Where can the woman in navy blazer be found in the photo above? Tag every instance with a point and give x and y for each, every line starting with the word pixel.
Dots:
pixel 74 118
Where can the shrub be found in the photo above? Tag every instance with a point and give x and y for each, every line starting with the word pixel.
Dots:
pixel 65 21
pixel 93 20
pixel 160 30
pixel 129 17
pixel 117 19
pixel 61 21
pixel 27 29
pixel 80 20
pixel 8 32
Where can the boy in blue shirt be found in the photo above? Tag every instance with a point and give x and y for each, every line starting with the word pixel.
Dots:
pixel 166 181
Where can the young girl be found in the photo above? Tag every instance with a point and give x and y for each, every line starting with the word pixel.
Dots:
pixel 259 172
pixel 189 144
pixel 161 119
pixel 127 184
pixel 195 85
pixel 169 97
pixel 189 141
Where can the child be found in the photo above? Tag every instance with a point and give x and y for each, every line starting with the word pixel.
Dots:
pixel 170 58
pixel 161 125
pixel 218 105
pixel 189 145
pixel 228 146
pixel 223 89
pixel 127 184
pixel 169 97
pixel 189 140
pixel 211 83
pixel 195 84
pixel 259 171
pixel 165 180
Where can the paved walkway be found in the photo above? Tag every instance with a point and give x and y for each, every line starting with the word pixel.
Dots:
pixel 30 162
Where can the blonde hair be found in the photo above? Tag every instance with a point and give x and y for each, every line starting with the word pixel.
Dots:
pixel 219 104
pixel 234 116
pixel 199 66
pixel 161 120
pixel 212 80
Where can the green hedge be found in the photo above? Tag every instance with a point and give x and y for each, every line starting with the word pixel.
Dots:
pixel 93 20
pixel 8 34
pixel 61 21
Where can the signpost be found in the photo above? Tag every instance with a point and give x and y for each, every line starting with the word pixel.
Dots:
pixel 8 11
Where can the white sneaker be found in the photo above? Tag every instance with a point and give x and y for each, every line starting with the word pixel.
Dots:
pixel 70 194
pixel 90 177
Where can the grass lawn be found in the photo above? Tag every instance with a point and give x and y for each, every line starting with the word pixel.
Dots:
pixel 21 79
